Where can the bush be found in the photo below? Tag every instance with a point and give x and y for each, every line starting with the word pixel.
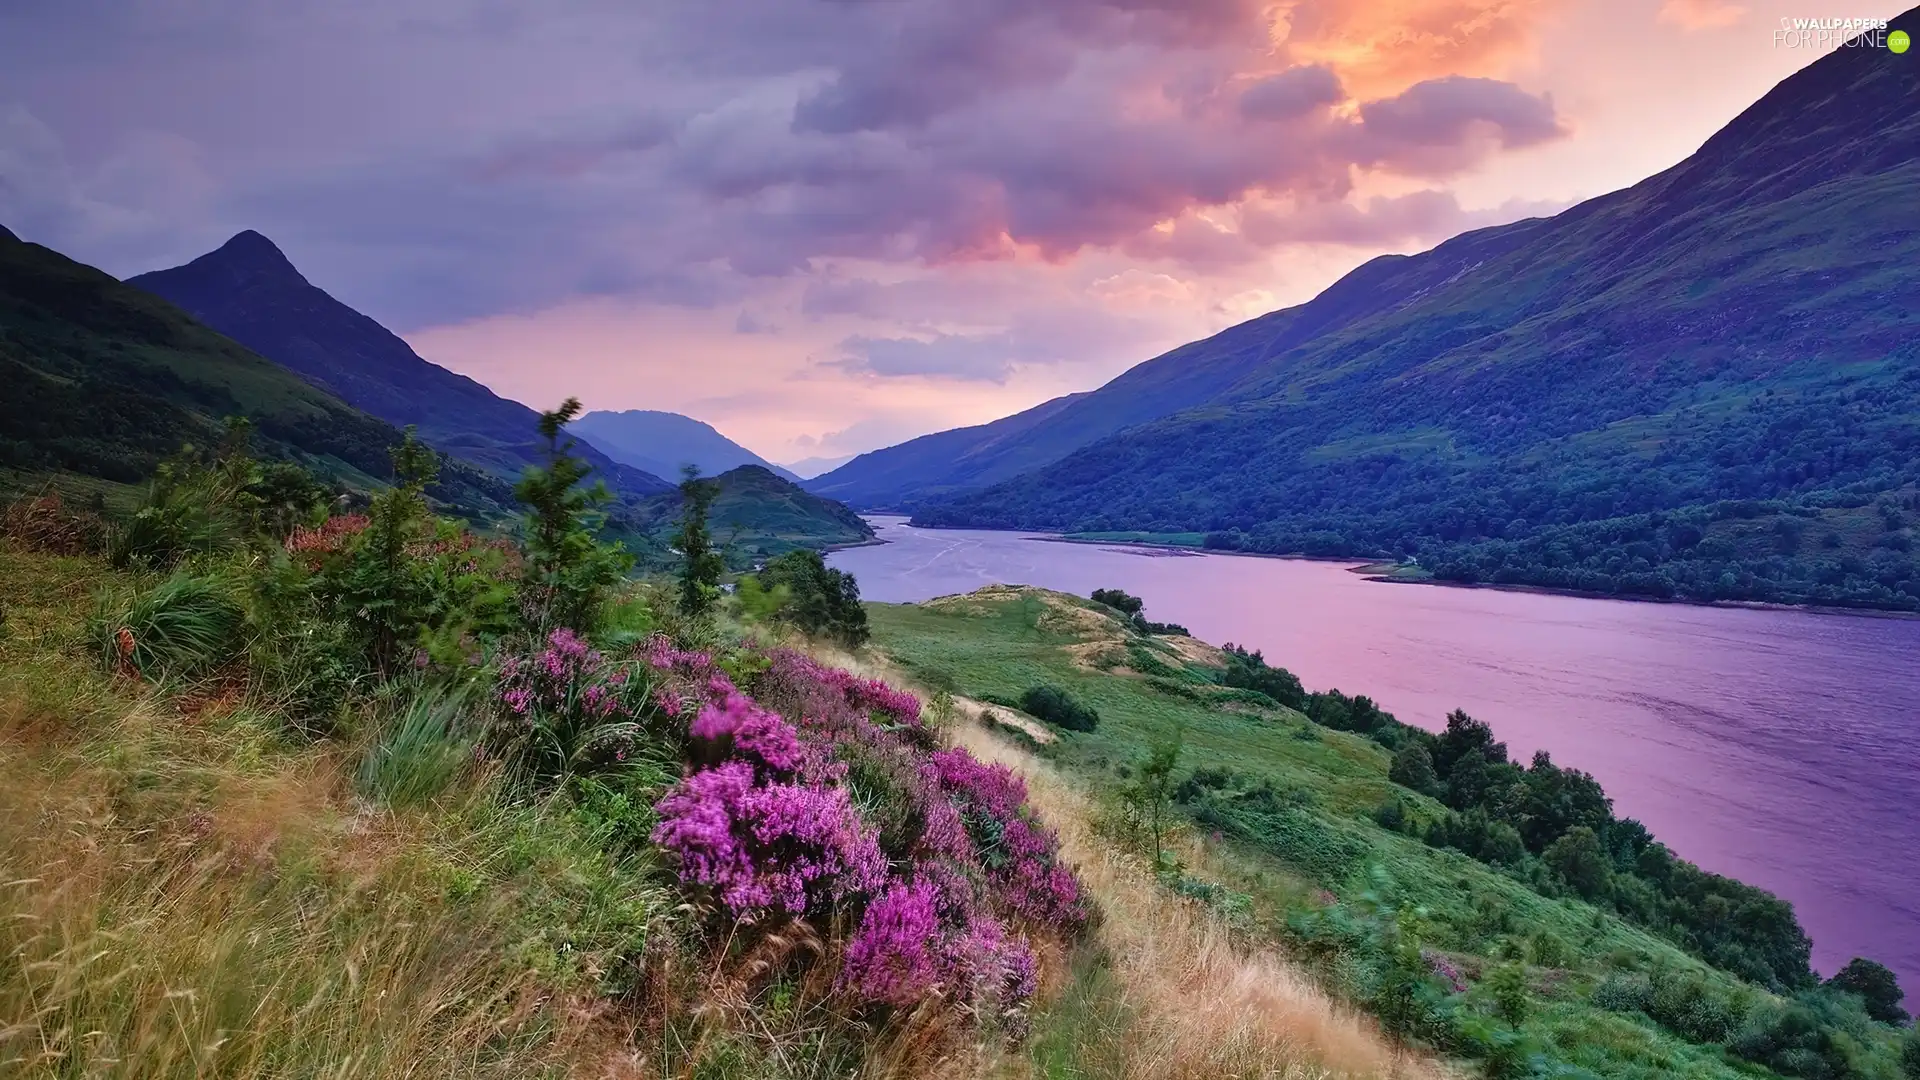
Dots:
pixel 1910 1055
pixel 566 711
pixel 1685 1003
pixel 1413 769
pixel 817 599
pixel 1791 1038
pixel 1875 986
pixel 184 626
pixel 1059 708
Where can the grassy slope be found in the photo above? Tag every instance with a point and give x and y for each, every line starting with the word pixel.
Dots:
pixel 217 898
pixel 191 891
pixel 999 642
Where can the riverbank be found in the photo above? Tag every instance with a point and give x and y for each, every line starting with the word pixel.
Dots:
pixel 1400 574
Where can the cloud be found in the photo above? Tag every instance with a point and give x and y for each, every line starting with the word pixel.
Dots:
pixel 476 159
pixel 1383 46
pixel 1701 14
pixel 1292 94
pixel 1443 126
pixel 1384 221
pixel 959 356
pixel 747 324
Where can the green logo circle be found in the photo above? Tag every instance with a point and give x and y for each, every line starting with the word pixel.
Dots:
pixel 1898 41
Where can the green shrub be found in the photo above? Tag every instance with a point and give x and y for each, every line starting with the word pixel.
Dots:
pixel 817 599
pixel 185 626
pixel 1686 1004
pixel 1624 992
pixel 1910 1055
pixel 1791 1038
pixel 427 743
pixel 1507 984
pixel 1059 708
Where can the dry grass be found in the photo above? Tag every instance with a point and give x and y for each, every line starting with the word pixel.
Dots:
pixel 176 901
pixel 1200 1004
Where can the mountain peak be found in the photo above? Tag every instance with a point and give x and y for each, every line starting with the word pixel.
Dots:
pixel 249 255
pixel 7 234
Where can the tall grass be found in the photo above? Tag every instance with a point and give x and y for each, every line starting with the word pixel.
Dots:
pixel 1186 1000
pixel 424 746
pixel 241 941
pixel 185 626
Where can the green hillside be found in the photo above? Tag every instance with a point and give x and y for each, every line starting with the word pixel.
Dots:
pixel 103 381
pixel 758 515
pixel 1295 818
pixel 1705 386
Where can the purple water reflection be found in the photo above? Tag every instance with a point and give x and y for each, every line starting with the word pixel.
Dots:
pixel 1773 746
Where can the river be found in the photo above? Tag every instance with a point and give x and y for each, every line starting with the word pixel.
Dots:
pixel 1777 747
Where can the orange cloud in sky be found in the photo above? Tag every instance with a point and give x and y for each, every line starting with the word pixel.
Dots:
pixel 1380 47
pixel 1701 14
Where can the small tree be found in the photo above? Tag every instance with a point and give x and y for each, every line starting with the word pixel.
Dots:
pixel 1910 1055
pixel 1412 768
pixel 1150 791
pixel 1580 861
pixel 1875 985
pixel 384 589
pixel 701 564
pixel 567 570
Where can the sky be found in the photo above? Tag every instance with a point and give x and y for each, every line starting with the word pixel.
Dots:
pixel 826 226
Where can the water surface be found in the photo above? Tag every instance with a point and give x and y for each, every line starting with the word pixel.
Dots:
pixel 1777 747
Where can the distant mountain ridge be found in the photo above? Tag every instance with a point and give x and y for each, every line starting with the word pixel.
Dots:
pixel 1706 385
pixel 661 442
pixel 248 290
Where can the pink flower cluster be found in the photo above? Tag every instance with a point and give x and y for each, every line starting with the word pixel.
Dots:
pixel 922 936
pixel 737 726
pixel 1020 854
pixel 1446 969
pixel 764 819
pixel 814 694
pixel 566 678
pixel 766 846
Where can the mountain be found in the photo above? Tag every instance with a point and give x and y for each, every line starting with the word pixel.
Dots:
pixel 103 381
pixel 808 468
pixel 758 515
pixel 955 460
pixel 249 291
pixel 661 442
pixel 1706 385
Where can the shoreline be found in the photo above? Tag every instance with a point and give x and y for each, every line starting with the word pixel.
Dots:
pixel 1371 571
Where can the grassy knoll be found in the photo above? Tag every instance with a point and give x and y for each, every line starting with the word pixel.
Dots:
pixel 1282 837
